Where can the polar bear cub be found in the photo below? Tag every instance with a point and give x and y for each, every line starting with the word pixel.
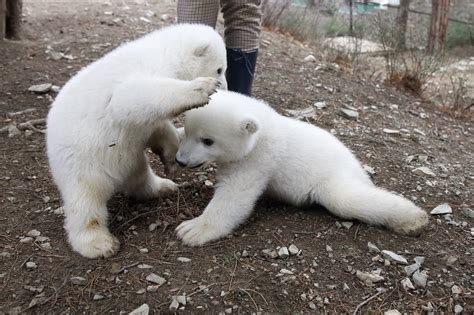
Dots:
pixel 257 150
pixel 105 116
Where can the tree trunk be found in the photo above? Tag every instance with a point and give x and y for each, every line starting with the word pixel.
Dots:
pixel 433 25
pixel 351 26
pixel 13 20
pixel 402 21
pixel 3 17
pixel 443 23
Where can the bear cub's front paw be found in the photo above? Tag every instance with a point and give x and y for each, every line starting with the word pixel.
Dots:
pixel 198 231
pixel 203 88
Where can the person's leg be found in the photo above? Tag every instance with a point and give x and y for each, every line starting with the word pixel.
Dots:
pixel 201 12
pixel 242 21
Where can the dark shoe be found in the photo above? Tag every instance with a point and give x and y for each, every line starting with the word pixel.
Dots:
pixel 240 70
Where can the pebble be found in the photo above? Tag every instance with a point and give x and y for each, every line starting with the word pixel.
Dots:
pixel 391 131
pixel 373 248
pixel 283 252
pixel 468 212
pixel 40 88
pixel 347 224
pixel 34 233
pixel 13 131
pixel 144 309
pixel 456 289
pixel 293 249
pixel 349 113
pixel 412 268
pixel 270 253
pixel 144 266
pixel 442 209
pixel 392 312
pixel 309 58
pixel 153 288
pixel 208 183
pixel 140 291
pixel 27 239
pixel 407 284
pixel 368 278
pixel 184 259
pixel 419 259
pixel 420 279
pixel 78 280
pixel 156 279
pixel 245 253
pixel 42 239
pixel 312 305
pixel 174 304
pixel 46 246
pixel 328 248
pixel 458 309
pixel 320 105
pixel 369 169
pixel 31 265
pixel 181 299
pixel 98 297
pixel 59 210
pixel 143 250
pixel 394 257
pixel 152 227
pixel 423 170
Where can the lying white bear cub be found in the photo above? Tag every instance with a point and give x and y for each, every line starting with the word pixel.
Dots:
pixel 257 150
pixel 107 114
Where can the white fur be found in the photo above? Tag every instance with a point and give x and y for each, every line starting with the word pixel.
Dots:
pixel 110 111
pixel 257 150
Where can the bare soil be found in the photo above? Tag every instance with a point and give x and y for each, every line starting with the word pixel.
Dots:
pixel 221 276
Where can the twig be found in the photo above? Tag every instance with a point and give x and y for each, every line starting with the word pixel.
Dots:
pixel 367 301
pixel 21 112
pixel 250 295
pixel 30 124
pixel 357 230
pixel 200 290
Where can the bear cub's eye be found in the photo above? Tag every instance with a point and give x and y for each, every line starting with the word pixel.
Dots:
pixel 208 142
pixel 219 71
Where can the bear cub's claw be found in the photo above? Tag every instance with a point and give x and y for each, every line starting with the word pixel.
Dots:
pixel 204 87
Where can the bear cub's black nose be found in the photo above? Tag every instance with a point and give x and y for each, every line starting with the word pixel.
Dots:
pixel 179 162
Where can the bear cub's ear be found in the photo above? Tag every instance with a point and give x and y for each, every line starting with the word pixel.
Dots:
pixel 201 49
pixel 249 125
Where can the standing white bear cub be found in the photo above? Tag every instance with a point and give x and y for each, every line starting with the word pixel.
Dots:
pixel 257 150
pixel 105 116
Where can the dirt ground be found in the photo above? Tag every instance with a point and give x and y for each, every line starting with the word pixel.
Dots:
pixel 231 275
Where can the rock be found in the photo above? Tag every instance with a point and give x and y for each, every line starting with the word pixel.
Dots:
pixel 328 248
pixel 458 309
pixel 320 105
pixel 31 265
pixel 26 239
pixel 312 305
pixel 418 131
pixel 184 259
pixel 143 250
pixel 373 248
pixel 392 312
pixel 407 285
pixel 144 266
pixel 391 131
pixel 140 291
pixel 286 271
pixel 369 169
pixel 156 279
pixel 13 131
pixel 208 183
pixel 98 297
pixel 164 17
pixel 144 309
pixel 55 88
pixel 423 170
pixel 349 113
pixel 181 299
pixel 245 253
pixel 345 287
pixel 78 280
pixel 33 233
pixel 152 227
pixel 420 279
pixel 442 209
pixel 46 246
pixel 153 288
pixel 419 259
pixel 174 305
pixel 40 88
pixel 59 210
pixel 293 249
pixel 456 289
pixel 309 58
pixel 412 268
pixel 283 252
pixel 270 253
pixel 368 278
pixel 347 224
pixel 307 112
pixel 450 260
pixel 468 212
pixel 394 257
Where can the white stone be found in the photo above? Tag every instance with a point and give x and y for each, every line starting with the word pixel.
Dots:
pixel 31 265
pixel 153 288
pixel 13 131
pixel 309 58
pixel 373 248
pixel 40 88
pixel 98 297
pixel 458 309
pixel 59 210
pixel 155 279
pixel 152 227
pixel 407 285
pixel 456 289
pixel 368 278
pixel 33 233
pixel 392 312
pixel 143 250
pixel 144 266
pixel 420 279
pixel 270 253
pixel 174 304
pixel 181 299
pixel 468 212
pixel 184 259
pixel 78 280
pixel 394 257
pixel 26 239
pixel 144 309
pixel 347 224
pixel 293 249
pixel 320 105
pixel 412 268
pixel 419 259
pixel 349 113
pixel 369 169
pixel 423 170
pixel 391 131
pixel 283 252
pixel 442 209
